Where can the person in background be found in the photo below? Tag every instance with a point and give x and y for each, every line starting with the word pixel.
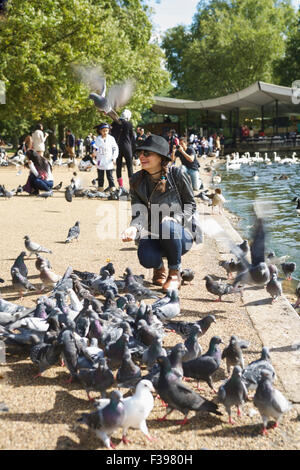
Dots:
pixel 79 147
pixel 189 161
pixel 54 152
pixel 122 131
pixel 39 139
pixel 141 137
pixel 40 176
pixel 28 142
pixel 70 144
pixel 106 152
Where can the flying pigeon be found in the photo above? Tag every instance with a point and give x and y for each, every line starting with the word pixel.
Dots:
pixel 73 232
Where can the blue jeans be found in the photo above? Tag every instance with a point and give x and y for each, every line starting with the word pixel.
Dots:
pixel 195 178
pixel 38 183
pixel 179 242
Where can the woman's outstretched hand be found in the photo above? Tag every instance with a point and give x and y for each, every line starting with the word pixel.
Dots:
pixel 129 234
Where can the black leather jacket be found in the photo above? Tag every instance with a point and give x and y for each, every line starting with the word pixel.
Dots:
pixel 148 210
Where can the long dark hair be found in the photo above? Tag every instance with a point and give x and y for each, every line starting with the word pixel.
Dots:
pixel 41 163
pixel 161 186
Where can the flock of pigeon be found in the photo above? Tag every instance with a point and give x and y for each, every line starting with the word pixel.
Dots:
pixel 117 342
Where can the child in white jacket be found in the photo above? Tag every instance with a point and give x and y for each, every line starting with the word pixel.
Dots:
pixel 106 153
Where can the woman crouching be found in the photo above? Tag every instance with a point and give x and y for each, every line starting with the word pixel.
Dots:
pixel 40 176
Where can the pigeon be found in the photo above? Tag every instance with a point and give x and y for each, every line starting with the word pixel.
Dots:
pixel 270 402
pixel 244 248
pixel 105 421
pixel 274 287
pixel 203 367
pixel 218 288
pixel 218 200
pixel 128 373
pixel 273 259
pixel 58 186
pixel 154 351
pixel 73 232
pixel 193 348
pixel 69 193
pixel 114 351
pixel 187 275
pixel 45 194
pixel 94 352
pixel 41 262
pixel 104 284
pixel 273 270
pixel 252 372
pixel 297 292
pixel 233 392
pixel 71 348
pixel 19 263
pixel 45 355
pixel 108 267
pixel 48 277
pixel 233 353
pixel 8 194
pixel 232 267
pixel 183 328
pixel 288 269
pixel 145 333
pixel 168 310
pixel 106 102
pixel 21 283
pixel 176 358
pixel 178 396
pixel 137 409
pixel 33 247
pixel 257 272
pixel 138 290
pixel 97 379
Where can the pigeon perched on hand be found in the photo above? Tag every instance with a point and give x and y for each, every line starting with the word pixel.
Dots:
pixel 33 247
pixel 73 232
pixel 233 392
pixel 270 402
pixel 105 421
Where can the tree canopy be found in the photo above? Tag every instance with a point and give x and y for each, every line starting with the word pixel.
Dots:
pixel 39 41
pixel 229 46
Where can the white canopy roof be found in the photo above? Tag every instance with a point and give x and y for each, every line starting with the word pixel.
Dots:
pixel 257 95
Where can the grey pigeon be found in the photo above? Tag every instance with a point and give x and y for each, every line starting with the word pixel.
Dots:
pixel 138 290
pixel 45 355
pixel 108 267
pixel 297 292
pixel 21 283
pixel 170 309
pixel 33 247
pixel 105 421
pixel 71 349
pixel 233 392
pixel 95 353
pixel 154 351
pixel 114 351
pixel 178 396
pixel 176 358
pixel 288 269
pixel 69 193
pixel 252 372
pixel 232 267
pixel 233 354
pixel 97 379
pixel 128 373
pixel 257 272
pixel 46 194
pixel 202 368
pixel 73 232
pixel 218 288
pixel 187 275
pixel 183 328
pixel 145 333
pixel 58 186
pixel 270 402
pixel 40 262
pixel 103 284
pixel 19 263
pixel 193 348
pixel 274 287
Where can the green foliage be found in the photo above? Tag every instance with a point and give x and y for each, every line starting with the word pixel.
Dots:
pixel 39 41
pixel 229 46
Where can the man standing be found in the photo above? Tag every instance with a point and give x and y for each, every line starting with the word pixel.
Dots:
pixel 189 161
pixel 70 144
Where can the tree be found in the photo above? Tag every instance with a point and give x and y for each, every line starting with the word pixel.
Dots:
pixel 229 46
pixel 41 40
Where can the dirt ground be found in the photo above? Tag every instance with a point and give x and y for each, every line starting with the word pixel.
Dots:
pixel 43 412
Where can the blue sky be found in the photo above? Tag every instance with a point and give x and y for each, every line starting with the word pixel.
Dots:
pixel 169 13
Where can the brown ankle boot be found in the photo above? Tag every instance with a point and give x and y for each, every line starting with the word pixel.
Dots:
pixel 173 280
pixel 159 276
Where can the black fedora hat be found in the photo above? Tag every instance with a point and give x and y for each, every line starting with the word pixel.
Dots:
pixel 157 144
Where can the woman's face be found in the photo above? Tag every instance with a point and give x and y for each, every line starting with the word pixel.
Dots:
pixel 150 161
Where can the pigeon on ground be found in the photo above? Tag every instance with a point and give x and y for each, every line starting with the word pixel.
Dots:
pixel 297 292
pixel 58 186
pixel 202 368
pixel 193 348
pixel 145 333
pixel 19 263
pixel 270 402
pixel 277 260
pixel 218 288
pixel 108 267
pixel 48 277
pixel 274 287
pixel 72 347
pixel 45 194
pixel 244 248
pixel 233 354
pixel 169 310
pixel 154 351
pixel 21 283
pixel 137 409
pixel 187 275
pixel 183 328
pixel 115 351
pixel 252 372
pixel 45 355
pixel 73 232
pixel 33 247
pixel 97 379
pixel 138 290
pixel 95 353
pixel 176 358
pixel 288 269
pixel 40 262
pixel 105 421
pixel 233 392
pixel 128 373
pixel 69 192
pixel 232 267
pixel 178 396
pixel 103 284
